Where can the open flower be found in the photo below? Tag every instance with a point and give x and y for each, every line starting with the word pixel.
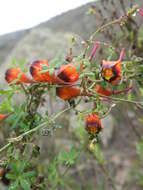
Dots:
pixel 111 70
pixel 4 116
pixel 36 69
pixel 67 92
pixel 93 124
pixel 17 76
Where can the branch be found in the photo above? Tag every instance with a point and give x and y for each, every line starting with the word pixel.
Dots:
pixel 20 137
pixel 113 98
pixel 120 21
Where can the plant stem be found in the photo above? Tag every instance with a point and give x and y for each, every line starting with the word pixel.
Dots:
pixel 5 147
pixel 110 179
pixel 116 99
pixel 120 20
pixel 20 137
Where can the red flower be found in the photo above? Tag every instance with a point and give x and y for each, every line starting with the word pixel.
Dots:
pixel 15 74
pixel 93 124
pixel 36 68
pixel 68 73
pixel 4 116
pixel 67 92
pixel 111 70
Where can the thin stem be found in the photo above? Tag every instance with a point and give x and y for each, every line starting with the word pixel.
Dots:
pixel 105 172
pixel 5 147
pixel 108 112
pixel 100 29
pixel 120 20
pixel 110 179
pixel 20 137
pixel 116 99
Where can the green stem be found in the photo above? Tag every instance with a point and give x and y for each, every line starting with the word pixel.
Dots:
pixel 5 147
pixel 110 179
pixel 20 137
pixel 116 99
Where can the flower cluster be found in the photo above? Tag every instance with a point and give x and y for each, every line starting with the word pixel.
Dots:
pixel 65 79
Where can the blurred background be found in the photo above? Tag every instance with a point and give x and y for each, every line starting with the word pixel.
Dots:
pixel 43 29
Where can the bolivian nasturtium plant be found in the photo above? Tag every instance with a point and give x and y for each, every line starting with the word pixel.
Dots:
pixel 78 78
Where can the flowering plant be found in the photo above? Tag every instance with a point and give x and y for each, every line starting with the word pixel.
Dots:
pixel 78 79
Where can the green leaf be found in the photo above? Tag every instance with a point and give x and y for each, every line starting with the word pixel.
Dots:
pixel 36 151
pixel 14 185
pixel 4 92
pixel 11 176
pixel 44 67
pixel 6 106
pixel 73 40
pixel 22 166
pixel 139 149
pixel 62 157
pixel 14 167
pixel 29 174
pixel 99 154
pixel 51 71
pixel 25 184
pixel 73 155
pixel 68 157
pixel 111 54
pixel 14 62
pixel 78 67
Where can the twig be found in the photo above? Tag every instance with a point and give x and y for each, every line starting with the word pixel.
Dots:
pixel 5 147
pixel 115 99
pixel 110 179
pixel 120 20
pixel 20 137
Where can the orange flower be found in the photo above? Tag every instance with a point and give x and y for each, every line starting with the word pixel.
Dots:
pixel 67 92
pixel 36 68
pixel 93 124
pixel 4 116
pixel 15 74
pixel 111 70
pixel 103 91
pixel 68 73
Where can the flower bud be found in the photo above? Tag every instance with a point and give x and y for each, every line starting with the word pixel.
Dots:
pixel 4 116
pixel 36 69
pixel 15 74
pixel 103 91
pixel 68 73
pixel 67 92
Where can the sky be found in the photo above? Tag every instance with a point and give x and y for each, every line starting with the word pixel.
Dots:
pixel 21 14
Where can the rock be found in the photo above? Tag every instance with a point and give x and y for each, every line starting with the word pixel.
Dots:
pixel 108 127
